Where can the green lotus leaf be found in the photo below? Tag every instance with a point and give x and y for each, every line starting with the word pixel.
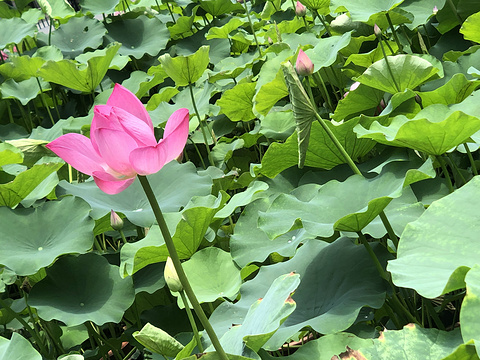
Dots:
pixel 242 198
pixel 351 204
pixel 186 70
pixel 43 244
pixel 138 36
pixel 263 317
pixel 237 103
pixel 57 9
pixel 223 32
pixel 421 10
pixel 470 307
pixel 158 341
pixel 434 130
pixel 326 50
pixel 456 90
pixel 98 7
pixel 174 185
pixel 465 351
pixel 212 275
pixel 24 183
pixel 19 30
pixel 82 288
pixel 21 67
pixel 409 71
pixel 220 7
pixel 425 260
pixel 470 28
pixel 78 76
pixel 24 91
pixel 412 342
pixel 18 348
pixel 363 100
pixel 278 125
pixel 362 11
pixel 76 35
pixel 321 152
pixel 10 154
pixel 322 6
pixel 187 229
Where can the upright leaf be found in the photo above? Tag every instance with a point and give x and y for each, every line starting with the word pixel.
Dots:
pixel 186 70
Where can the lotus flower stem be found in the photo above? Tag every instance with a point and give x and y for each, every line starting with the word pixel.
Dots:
pixel 202 126
pixel 10 115
pixel 44 103
pixel 445 173
pixel 387 15
pixel 251 28
pixel 309 92
pixel 470 158
pixel 27 327
pixel 179 269
pixel 318 79
pixel 379 37
pixel 192 321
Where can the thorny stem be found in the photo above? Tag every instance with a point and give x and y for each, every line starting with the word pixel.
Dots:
pixel 172 251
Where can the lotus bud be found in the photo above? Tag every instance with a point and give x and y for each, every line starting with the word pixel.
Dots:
pixel 116 221
pixel 418 100
pixel 300 9
pixel 303 65
pixel 171 277
pixel 435 10
pixel 270 41
pixel 377 31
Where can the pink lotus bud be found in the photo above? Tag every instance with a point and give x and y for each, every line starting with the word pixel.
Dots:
pixel 116 221
pixel 300 9
pixel 435 10
pixel 270 41
pixel 303 65
pixel 377 31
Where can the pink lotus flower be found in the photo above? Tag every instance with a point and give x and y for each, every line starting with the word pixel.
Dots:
pixel 300 9
pixel 122 143
pixel 303 65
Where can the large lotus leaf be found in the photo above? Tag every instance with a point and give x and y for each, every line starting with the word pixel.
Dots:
pixel 82 288
pixel 421 10
pixel 362 11
pixel 358 102
pixel 325 348
pixel 249 243
pixel 24 91
pixel 212 275
pixel 321 152
pixel 174 185
pixel 322 6
pixel 77 76
pixel 18 29
pixel 434 130
pixel 24 183
pixel 465 351
pixel 325 52
pixel 409 71
pixel 237 103
pixel 304 111
pixel 76 35
pixel 231 67
pixel 242 198
pixel 17 348
pixel 223 32
pixel 190 228
pixel 432 256
pixel 138 36
pixel 44 233
pixel 457 89
pixel 21 67
pixel 411 343
pixel 9 154
pixel 351 204
pixel 470 28
pixel 471 308
pixel 98 7
pixel 219 7
pixel 263 317
pixel 186 70
pixel 57 9
pixel 158 341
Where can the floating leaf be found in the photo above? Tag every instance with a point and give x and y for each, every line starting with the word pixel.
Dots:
pixel 158 341
pixel 378 76
pixel 43 244
pixel 425 261
pixel 82 288
pixel 186 70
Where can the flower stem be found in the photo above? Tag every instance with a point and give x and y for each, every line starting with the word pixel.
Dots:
pixel 318 79
pixel 393 31
pixel 202 126
pixel 44 103
pixel 252 29
pixel 192 321
pixel 445 172
pixel 179 269
pixel 470 158
pixel 388 64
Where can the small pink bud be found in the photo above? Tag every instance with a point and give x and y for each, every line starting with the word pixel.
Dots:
pixel 435 10
pixel 377 30
pixel 270 41
pixel 116 221
pixel 303 65
pixel 300 9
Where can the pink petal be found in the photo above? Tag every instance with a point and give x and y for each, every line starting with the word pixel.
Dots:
pixel 135 127
pixel 102 118
pixel 126 100
pixel 115 147
pixel 77 150
pixel 110 184
pixel 176 134
pixel 148 160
